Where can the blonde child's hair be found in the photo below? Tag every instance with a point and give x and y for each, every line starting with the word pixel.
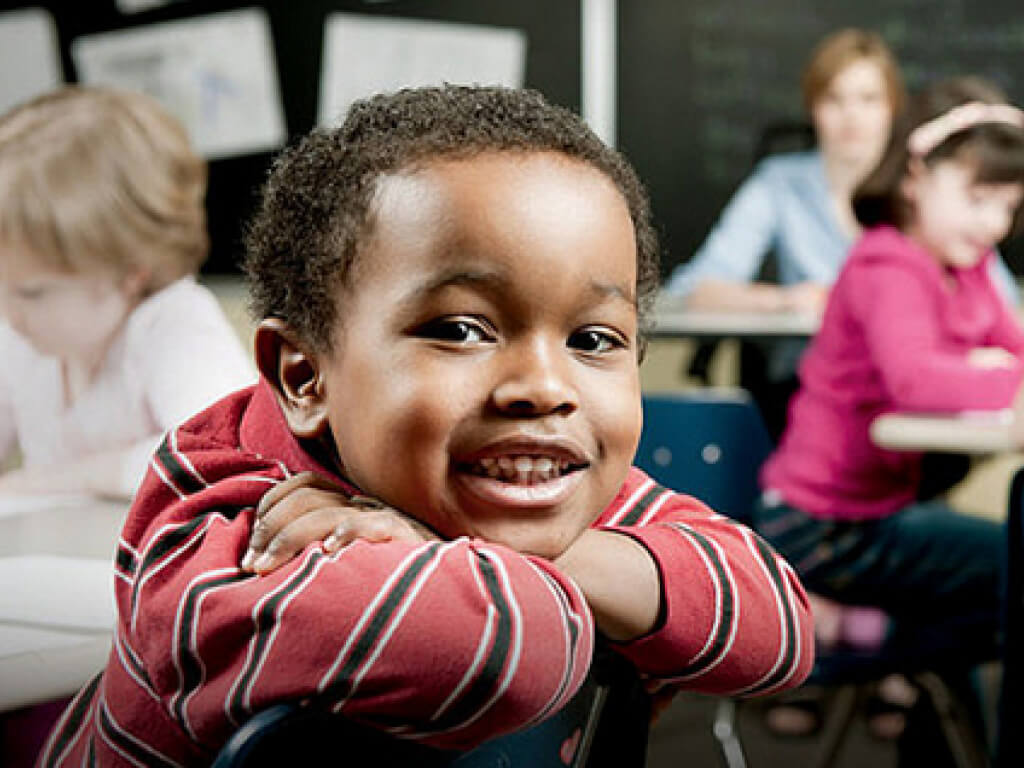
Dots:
pixel 98 179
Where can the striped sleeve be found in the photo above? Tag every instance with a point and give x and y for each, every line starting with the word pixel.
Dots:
pixel 735 619
pixel 446 642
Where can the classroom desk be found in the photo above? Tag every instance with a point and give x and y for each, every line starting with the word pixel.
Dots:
pixel 672 320
pixel 969 433
pixel 56 595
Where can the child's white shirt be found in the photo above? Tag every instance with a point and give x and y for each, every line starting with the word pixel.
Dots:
pixel 175 355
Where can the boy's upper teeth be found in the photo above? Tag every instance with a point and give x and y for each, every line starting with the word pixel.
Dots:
pixel 523 467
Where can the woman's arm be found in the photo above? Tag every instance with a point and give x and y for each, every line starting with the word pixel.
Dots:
pixel 715 294
pixel 719 275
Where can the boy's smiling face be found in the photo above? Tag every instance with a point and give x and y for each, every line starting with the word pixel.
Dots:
pixel 484 374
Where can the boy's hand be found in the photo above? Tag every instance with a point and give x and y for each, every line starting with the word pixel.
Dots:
pixel 307 508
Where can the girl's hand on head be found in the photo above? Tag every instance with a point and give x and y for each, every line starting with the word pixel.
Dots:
pixel 991 357
pixel 307 508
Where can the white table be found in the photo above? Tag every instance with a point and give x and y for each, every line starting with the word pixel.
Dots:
pixel 970 433
pixel 672 320
pixel 56 595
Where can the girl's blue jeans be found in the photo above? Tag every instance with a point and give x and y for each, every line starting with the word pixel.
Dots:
pixel 938 574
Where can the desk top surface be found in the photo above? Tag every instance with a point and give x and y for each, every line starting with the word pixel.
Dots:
pixel 53 640
pixel 975 433
pixel 74 526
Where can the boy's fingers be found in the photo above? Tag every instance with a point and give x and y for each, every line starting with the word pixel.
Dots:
pixel 293 538
pixel 368 527
pixel 300 501
pixel 289 486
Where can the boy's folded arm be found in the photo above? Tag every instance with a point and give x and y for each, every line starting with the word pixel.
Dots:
pixel 449 642
pixel 733 616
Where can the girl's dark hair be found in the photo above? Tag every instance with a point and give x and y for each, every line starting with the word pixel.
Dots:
pixel 315 214
pixel 995 150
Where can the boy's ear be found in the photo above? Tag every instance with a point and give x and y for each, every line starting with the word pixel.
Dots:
pixel 294 373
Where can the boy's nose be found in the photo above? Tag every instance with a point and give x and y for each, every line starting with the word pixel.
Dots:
pixel 536 380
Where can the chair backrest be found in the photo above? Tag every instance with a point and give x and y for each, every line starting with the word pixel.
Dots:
pixel 605 725
pixel 708 443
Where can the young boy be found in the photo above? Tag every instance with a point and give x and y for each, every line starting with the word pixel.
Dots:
pixel 451 284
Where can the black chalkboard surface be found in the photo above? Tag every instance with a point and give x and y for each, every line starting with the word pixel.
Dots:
pixel 699 80
pixel 297 28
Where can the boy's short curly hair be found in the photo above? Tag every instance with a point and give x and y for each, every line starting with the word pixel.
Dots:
pixel 315 213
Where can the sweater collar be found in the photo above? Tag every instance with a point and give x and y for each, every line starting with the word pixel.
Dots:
pixel 264 431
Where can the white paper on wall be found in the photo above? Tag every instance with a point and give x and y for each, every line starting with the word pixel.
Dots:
pixel 138 6
pixel 29 56
pixel 366 54
pixel 216 73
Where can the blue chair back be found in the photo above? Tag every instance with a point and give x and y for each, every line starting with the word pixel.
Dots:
pixel 708 443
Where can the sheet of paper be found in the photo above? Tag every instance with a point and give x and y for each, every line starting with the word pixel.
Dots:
pixel 366 54
pixel 29 56
pixel 47 592
pixel 216 73
pixel 138 6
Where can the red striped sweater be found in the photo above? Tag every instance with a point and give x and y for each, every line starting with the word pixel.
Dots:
pixel 457 641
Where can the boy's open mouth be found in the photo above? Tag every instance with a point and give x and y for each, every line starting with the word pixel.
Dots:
pixel 522 469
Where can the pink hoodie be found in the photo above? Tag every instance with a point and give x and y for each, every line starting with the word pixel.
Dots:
pixel 895 337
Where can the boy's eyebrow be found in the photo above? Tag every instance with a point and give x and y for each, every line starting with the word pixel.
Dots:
pixel 495 280
pixel 458 276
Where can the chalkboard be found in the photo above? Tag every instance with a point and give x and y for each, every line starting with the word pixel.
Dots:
pixel 297 28
pixel 699 80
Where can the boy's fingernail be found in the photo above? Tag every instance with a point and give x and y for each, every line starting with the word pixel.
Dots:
pixel 262 563
pixel 250 555
pixel 331 543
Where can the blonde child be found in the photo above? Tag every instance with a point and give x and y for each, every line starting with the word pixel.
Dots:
pixel 108 339
pixel 914 323
pixel 452 286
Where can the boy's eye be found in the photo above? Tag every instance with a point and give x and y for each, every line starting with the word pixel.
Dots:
pixel 594 340
pixel 460 330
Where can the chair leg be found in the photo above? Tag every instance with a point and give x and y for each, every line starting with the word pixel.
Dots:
pixel 726 731
pixel 842 710
pixel 961 738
